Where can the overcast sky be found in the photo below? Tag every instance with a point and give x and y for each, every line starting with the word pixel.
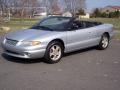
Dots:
pixel 91 4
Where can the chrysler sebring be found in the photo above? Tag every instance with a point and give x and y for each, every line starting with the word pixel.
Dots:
pixel 53 36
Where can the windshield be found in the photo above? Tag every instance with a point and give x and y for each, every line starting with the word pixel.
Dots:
pixel 53 24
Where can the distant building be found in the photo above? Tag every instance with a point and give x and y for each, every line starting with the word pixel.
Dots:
pixel 40 12
pixel 57 13
pixel 40 15
pixel 87 16
pixel 110 9
pixel 67 14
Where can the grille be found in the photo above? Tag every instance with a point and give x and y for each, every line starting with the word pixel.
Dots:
pixel 11 42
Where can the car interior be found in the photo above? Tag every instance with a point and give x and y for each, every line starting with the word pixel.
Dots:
pixel 83 24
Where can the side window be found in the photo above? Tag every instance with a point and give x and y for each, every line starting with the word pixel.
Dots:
pixel 74 26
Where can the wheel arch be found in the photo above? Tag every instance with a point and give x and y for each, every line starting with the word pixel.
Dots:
pixel 107 33
pixel 58 40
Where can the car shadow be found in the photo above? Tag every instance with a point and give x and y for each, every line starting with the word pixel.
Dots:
pixel 42 60
pixel 20 60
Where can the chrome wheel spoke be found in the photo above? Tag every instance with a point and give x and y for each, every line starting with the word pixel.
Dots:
pixel 52 55
pixel 105 42
pixel 55 52
pixel 58 49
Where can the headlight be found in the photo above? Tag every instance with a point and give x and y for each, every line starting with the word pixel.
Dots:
pixel 31 43
pixel 34 43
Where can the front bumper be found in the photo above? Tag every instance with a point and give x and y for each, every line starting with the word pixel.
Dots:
pixel 21 52
pixel 26 54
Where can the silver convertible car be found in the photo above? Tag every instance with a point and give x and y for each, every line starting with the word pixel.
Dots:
pixel 53 36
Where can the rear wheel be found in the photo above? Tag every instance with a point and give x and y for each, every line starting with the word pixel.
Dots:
pixel 104 42
pixel 54 52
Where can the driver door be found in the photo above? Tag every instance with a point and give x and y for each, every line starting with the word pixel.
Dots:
pixel 79 38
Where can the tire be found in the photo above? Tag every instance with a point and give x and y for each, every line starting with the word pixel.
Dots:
pixel 54 52
pixel 104 42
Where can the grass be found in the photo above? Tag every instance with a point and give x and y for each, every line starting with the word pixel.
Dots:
pixel 18 23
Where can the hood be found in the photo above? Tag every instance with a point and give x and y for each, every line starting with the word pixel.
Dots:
pixel 27 34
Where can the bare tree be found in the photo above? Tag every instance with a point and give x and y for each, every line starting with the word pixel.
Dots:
pixel 4 5
pixel 23 7
pixel 32 6
pixel 74 5
pixel 52 6
pixel 46 4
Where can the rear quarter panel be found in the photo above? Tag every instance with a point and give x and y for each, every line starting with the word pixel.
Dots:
pixel 101 29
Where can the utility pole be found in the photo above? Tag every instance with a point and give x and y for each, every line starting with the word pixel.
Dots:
pixel 9 14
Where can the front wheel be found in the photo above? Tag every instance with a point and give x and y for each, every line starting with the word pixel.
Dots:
pixel 54 52
pixel 104 42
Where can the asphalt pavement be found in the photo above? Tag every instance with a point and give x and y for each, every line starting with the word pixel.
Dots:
pixel 88 69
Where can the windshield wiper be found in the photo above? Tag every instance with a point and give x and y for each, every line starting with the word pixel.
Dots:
pixel 44 27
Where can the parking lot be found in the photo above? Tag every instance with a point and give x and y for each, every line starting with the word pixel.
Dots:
pixel 88 69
